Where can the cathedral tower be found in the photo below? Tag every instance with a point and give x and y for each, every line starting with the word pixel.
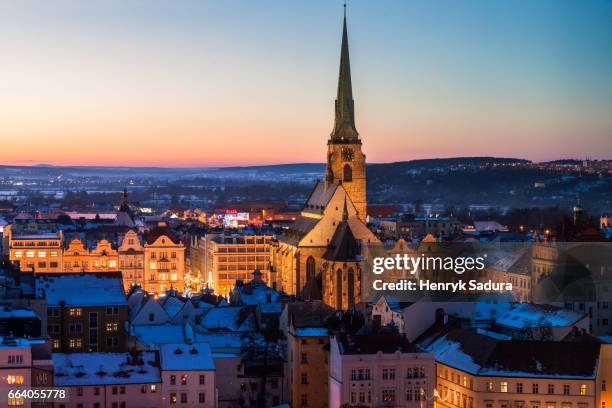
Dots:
pixel 345 160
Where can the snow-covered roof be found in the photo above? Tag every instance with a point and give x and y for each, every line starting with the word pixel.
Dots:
pixel 18 342
pixel 231 318
pixel 254 293
pixel 81 289
pixel 531 315
pixel 152 336
pixel 17 313
pixel 486 355
pixel 184 357
pixel 224 342
pixel 105 368
pixel 310 331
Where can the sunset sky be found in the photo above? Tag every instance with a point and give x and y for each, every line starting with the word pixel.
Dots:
pixel 207 83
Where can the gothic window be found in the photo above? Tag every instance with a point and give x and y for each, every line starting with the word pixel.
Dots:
pixel 351 288
pixel 338 289
pixel 310 268
pixel 348 173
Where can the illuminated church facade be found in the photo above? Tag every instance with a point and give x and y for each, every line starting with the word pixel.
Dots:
pixel 320 255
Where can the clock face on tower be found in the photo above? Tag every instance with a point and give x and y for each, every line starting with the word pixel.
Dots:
pixel 347 154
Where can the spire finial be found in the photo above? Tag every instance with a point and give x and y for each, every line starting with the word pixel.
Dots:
pixel 345 211
pixel 344 122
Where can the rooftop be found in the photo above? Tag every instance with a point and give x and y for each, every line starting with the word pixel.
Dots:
pixel 531 315
pixel 182 357
pixel 105 368
pixel 81 289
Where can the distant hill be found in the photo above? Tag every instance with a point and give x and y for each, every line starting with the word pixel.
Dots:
pixel 46 170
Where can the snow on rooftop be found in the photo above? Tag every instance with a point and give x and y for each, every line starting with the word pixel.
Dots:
pixel 82 289
pixel 449 353
pixel 17 313
pixel 232 318
pixel 183 357
pixel 105 368
pixel 18 342
pixel 154 335
pixel 530 315
pixel 310 331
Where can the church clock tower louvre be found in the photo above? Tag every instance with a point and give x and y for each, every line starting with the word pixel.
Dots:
pixel 345 160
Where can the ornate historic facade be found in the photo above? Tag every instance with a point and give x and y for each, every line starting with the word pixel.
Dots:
pixel 319 257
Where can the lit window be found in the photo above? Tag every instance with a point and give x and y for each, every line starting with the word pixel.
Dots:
pixel 112 263
pixel 151 265
pixel 42 254
pixel 16 402
pixel 183 380
pixel 490 386
pixel 112 327
pixel 583 389
pixel 18 254
pixel 53 253
pixel 75 311
pixel 173 276
pixel 75 343
pixel 14 379
pixel 56 343
pixel 503 386
pixel 153 387
pixel 30 254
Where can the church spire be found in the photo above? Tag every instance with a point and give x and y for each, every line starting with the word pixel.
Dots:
pixel 344 122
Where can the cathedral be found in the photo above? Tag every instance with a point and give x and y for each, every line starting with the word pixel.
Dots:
pixel 320 255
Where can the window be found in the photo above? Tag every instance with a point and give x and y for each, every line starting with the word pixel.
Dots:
pixel 75 343
pixel 151 265
pixel 304 378
pixel 153 388
pixel 56 343
pixel 14 379
pixel 18 254
pixel 603 385
pixel 15 359
pixel 551 388
pixel 583 389
pixel 202 398
pixel 566 389
pixel 112 341
pixel 75 312
pixel 503 386
pixel 489 386
pixel 114 391
pixel 388 374
pixel 112 311
pixel 97 391
pixel 151 317
pixel 304 399
pixel 304 358
pixel 74 328
pixel 388 395
pixel 42 254
pixel 122 389
pixel 111 327
pixel 183 398
pixel 143 389
pixel 112 263
pixel 348 173
pixel 519 388
pixel 183 379
pixel 173 397
pixel 16 402
pixel 173 380
pixel 202 379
